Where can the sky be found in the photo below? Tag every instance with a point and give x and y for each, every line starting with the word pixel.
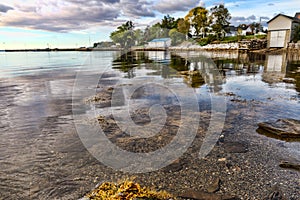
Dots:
pixel 76 23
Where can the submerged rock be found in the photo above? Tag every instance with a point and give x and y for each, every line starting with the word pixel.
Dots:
pixel 235 147
pixel 289 80
pixel 214 186
pixel 286 128
pixel 201 195
pixel 275 195
pixel 289 165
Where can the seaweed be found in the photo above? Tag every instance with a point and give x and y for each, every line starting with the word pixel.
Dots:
pixel 126 190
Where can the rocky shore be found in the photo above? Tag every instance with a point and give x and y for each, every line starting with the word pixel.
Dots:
pixel 242 165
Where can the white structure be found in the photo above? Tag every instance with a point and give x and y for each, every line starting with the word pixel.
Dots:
pixel 160 43
pixel 280 30
pixel 233 31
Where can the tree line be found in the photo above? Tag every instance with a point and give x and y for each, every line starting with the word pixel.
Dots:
pixel 203 25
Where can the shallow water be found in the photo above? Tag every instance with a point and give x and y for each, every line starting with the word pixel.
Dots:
pixel 41 155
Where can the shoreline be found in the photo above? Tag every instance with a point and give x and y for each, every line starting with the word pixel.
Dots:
pixel 230 47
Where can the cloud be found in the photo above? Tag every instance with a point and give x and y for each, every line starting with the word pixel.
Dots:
pixel 4 8
pixel 237 20
pixel 68 15
pixel 252 17
pixel 233 4
pixel 171 6
pixel 265 18
pixel 201 4
pixel 271 4
pixel 139 8
pixel 61 16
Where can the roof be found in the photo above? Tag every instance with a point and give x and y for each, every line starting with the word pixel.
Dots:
pixel 289 17
pixel 233 28
pixel 243 26
pixel 160 40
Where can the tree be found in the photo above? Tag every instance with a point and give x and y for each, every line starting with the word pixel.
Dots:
pixel 138 35
pixel 183 26
pixel 168 22
pixel 296 35
pixel 254 27
pixel 124 35
pixel 198 19
pixel 176 36
pixel 124 27
pixel 219 18
pixel 125 39
pixel 153 32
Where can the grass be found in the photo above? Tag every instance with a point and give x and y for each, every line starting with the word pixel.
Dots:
pixel 231 39
pixel 238 38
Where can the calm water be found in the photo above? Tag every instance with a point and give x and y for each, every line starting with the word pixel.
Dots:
pixel 41 155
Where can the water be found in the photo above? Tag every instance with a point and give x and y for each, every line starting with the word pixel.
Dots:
pixel 41 155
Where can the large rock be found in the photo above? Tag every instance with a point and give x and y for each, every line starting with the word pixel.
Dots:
pixel 289 165
pixel 201 195
pixel 235 147
pixel 285 128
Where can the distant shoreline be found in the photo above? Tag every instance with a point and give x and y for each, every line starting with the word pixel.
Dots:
pixel 175 48
pixel 64 49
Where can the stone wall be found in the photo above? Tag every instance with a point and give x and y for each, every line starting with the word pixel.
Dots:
pixel 293 45
pixel 191 47
pixel 255 44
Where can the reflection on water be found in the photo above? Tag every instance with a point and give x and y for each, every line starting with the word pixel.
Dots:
pixel 42 157
pixel 247 77
pixel 267 68
pixel 275 69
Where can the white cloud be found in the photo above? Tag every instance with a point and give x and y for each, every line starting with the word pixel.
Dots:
pixel 171 6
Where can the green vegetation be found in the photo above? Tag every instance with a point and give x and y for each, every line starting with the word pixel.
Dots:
pixel 205 26
pixel 207 40
pixel 198 19
pixel 242 37
pixel 220 17
pixel 296 34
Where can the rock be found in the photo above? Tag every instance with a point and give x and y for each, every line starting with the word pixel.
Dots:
pixel 275 195
pixel 84 198
pixel 235 147
pixel 289 80
pixel 222 159
pixel 185 73
pixel 289 165
pixel 286 128
pixel 175 166
pixel 215 186
pixel 201 195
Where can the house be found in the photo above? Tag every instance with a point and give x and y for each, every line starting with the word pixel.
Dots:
pixel 160 43
pixel 243 29
pixel 280 30
pixel 232 31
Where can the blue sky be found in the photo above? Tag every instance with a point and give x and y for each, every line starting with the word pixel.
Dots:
pixel 76 23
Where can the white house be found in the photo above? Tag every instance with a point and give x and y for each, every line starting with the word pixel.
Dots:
pixel 160 43
pixel 280 30
pixel 244 29
pixel 232 31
